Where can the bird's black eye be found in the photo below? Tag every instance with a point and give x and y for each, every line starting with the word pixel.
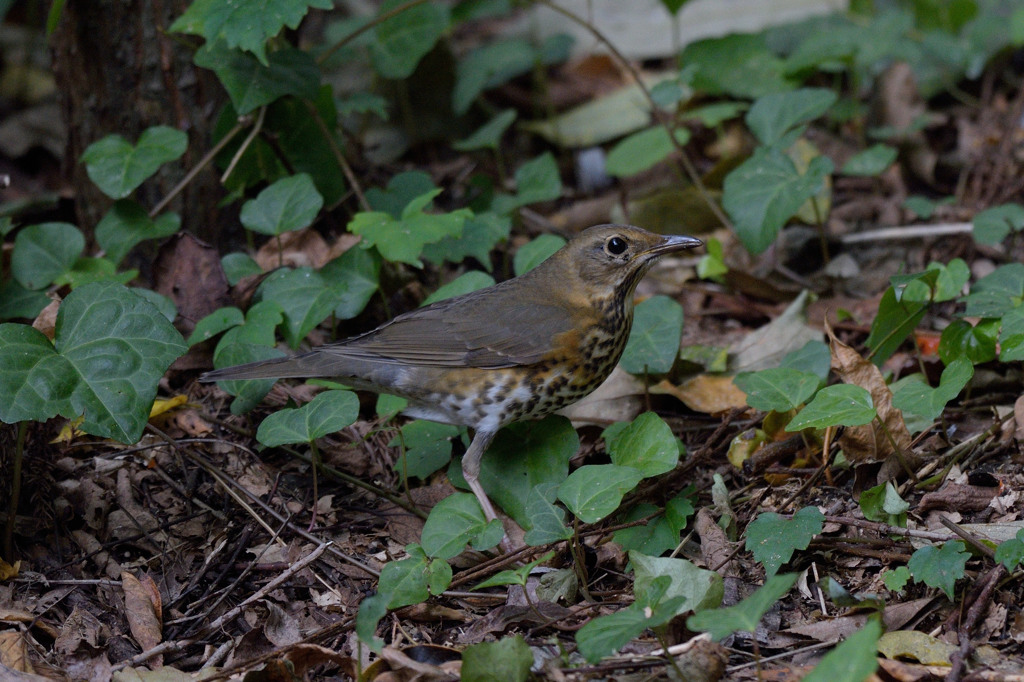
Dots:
pixel 616 246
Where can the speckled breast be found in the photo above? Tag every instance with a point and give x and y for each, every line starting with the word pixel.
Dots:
pixel 487 399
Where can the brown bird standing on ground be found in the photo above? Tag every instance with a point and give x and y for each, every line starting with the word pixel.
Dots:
pixel 521 349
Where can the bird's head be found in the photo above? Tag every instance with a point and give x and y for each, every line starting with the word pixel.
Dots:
pixel 616 257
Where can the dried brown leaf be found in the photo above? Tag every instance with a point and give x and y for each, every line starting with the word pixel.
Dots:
pixel 707 393
pixel 143 609
pixel 868 443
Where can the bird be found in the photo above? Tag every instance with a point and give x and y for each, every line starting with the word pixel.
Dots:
pixel 517 350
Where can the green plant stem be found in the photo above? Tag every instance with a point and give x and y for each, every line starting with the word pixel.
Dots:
pixel 659 634
pixel 820 224
pixel 579 560
pixel 688 167
pixel 207 158
pixel 897 451
pixel 12 505
pixel 376 21
pixel 343 164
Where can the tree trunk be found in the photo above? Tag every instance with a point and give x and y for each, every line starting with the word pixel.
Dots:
pixel 119 71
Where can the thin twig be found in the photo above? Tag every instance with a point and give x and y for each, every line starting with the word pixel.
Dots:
pixel 166 647
pixel 245 144
pixel 194 171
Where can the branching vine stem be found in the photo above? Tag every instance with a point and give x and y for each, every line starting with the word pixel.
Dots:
pixel 688 167
pixel 194 171
pixel 245 144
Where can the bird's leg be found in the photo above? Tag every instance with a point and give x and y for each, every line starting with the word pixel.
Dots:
pixel 471 469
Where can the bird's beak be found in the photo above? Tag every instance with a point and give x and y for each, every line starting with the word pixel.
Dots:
pixel 672 243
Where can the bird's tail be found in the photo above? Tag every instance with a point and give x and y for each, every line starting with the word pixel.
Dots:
pixel 300 366
pixel 320 362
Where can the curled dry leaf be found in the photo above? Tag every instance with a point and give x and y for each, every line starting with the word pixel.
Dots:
pixel 869 443
pixel 296 249
pixel 143 609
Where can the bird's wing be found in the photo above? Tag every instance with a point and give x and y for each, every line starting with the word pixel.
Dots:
pixel 474 331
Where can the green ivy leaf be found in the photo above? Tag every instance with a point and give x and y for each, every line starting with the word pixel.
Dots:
pixel 700 589
pixel 252 84
pixel 412 580
pixel 653 343
pixel 740 65
pixel 288 204
pixel 110 349
pixel 428 447
pixel 605 635
pixel 401 190
pixel 772 539
pixel 371 610
pixel 814 357
pixel 854 660
pixel 661 533
pixel 536 180
pixel 745 616
pixel 884 504
pixel 775 114
pixel 405 38
pixel 839 405
pixel 402 240
pixel 992 225
pixel 997 293
pixel 536 251
pixel 545 521
pixel 897 578
pixel 641 151
pixel 44 252
pixel 913 394
pixel 939 568
pixel 1010 553
pixel 488 136
pixel 18 302
pixel 925 207
pixel 523 456
pixel 328 412
pixel 245 25
pixel 976 343
pixel 870 162
pixel 712 115
pixel 216 322
pixel 163 304
pixel 765 191
pixel 507 660
pixel 1011 336
pixel 594 491
pixel 117 167
pixel 465 283
pixel 356 275
pixel 239 265
pixel 646 444
pixel 480 234
pixel 456 521
pixel 306 296
pixel 894 322
pixel 780 389
pixel 87 270
pixel 127 224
